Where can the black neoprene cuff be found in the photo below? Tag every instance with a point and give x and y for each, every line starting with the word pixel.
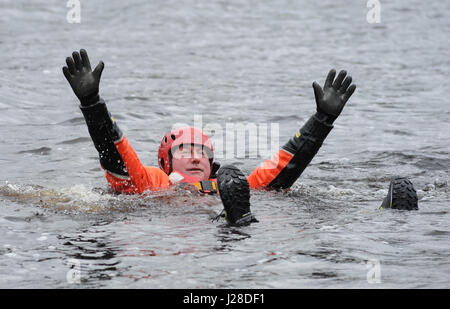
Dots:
pixel 317 127
pixel 329 119
pixel 314 130
pixel 104 133
pixel 90 100
pixel 97 115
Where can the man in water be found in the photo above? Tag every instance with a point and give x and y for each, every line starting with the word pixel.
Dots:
pixel 186 154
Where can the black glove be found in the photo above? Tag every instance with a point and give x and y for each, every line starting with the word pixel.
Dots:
pixel 331 100
pixel 82 79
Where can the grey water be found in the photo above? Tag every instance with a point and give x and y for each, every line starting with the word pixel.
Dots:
pixel 240 62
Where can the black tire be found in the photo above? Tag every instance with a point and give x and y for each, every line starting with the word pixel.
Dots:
pixel 404 196
pixel 234 192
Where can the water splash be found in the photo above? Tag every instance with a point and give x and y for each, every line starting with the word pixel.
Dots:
pixel 82 199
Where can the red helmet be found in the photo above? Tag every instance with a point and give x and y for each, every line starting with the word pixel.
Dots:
pixel 176 137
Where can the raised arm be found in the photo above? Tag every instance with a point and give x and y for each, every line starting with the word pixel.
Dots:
pixel 291 160
pixel 124 171
pixel 102 127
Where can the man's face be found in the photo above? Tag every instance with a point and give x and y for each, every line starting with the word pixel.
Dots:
pixel 191 160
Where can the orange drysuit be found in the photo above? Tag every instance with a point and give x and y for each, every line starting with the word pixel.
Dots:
pixel 125 173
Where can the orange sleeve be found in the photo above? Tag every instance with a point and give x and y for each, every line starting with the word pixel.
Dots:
pixel 291 160
pixel 269 170
pixel 141 177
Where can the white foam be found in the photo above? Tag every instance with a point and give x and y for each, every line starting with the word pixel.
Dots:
pixel 339 191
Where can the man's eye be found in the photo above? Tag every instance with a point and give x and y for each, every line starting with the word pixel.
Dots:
pixel 201 152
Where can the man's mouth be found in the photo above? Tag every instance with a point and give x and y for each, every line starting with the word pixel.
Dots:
pixel 194 169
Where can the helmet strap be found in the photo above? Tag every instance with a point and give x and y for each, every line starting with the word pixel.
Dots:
pixel 170 162
pixel 214 168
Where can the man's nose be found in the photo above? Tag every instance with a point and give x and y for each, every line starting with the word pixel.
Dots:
pixel 195 155
pixel 195 159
